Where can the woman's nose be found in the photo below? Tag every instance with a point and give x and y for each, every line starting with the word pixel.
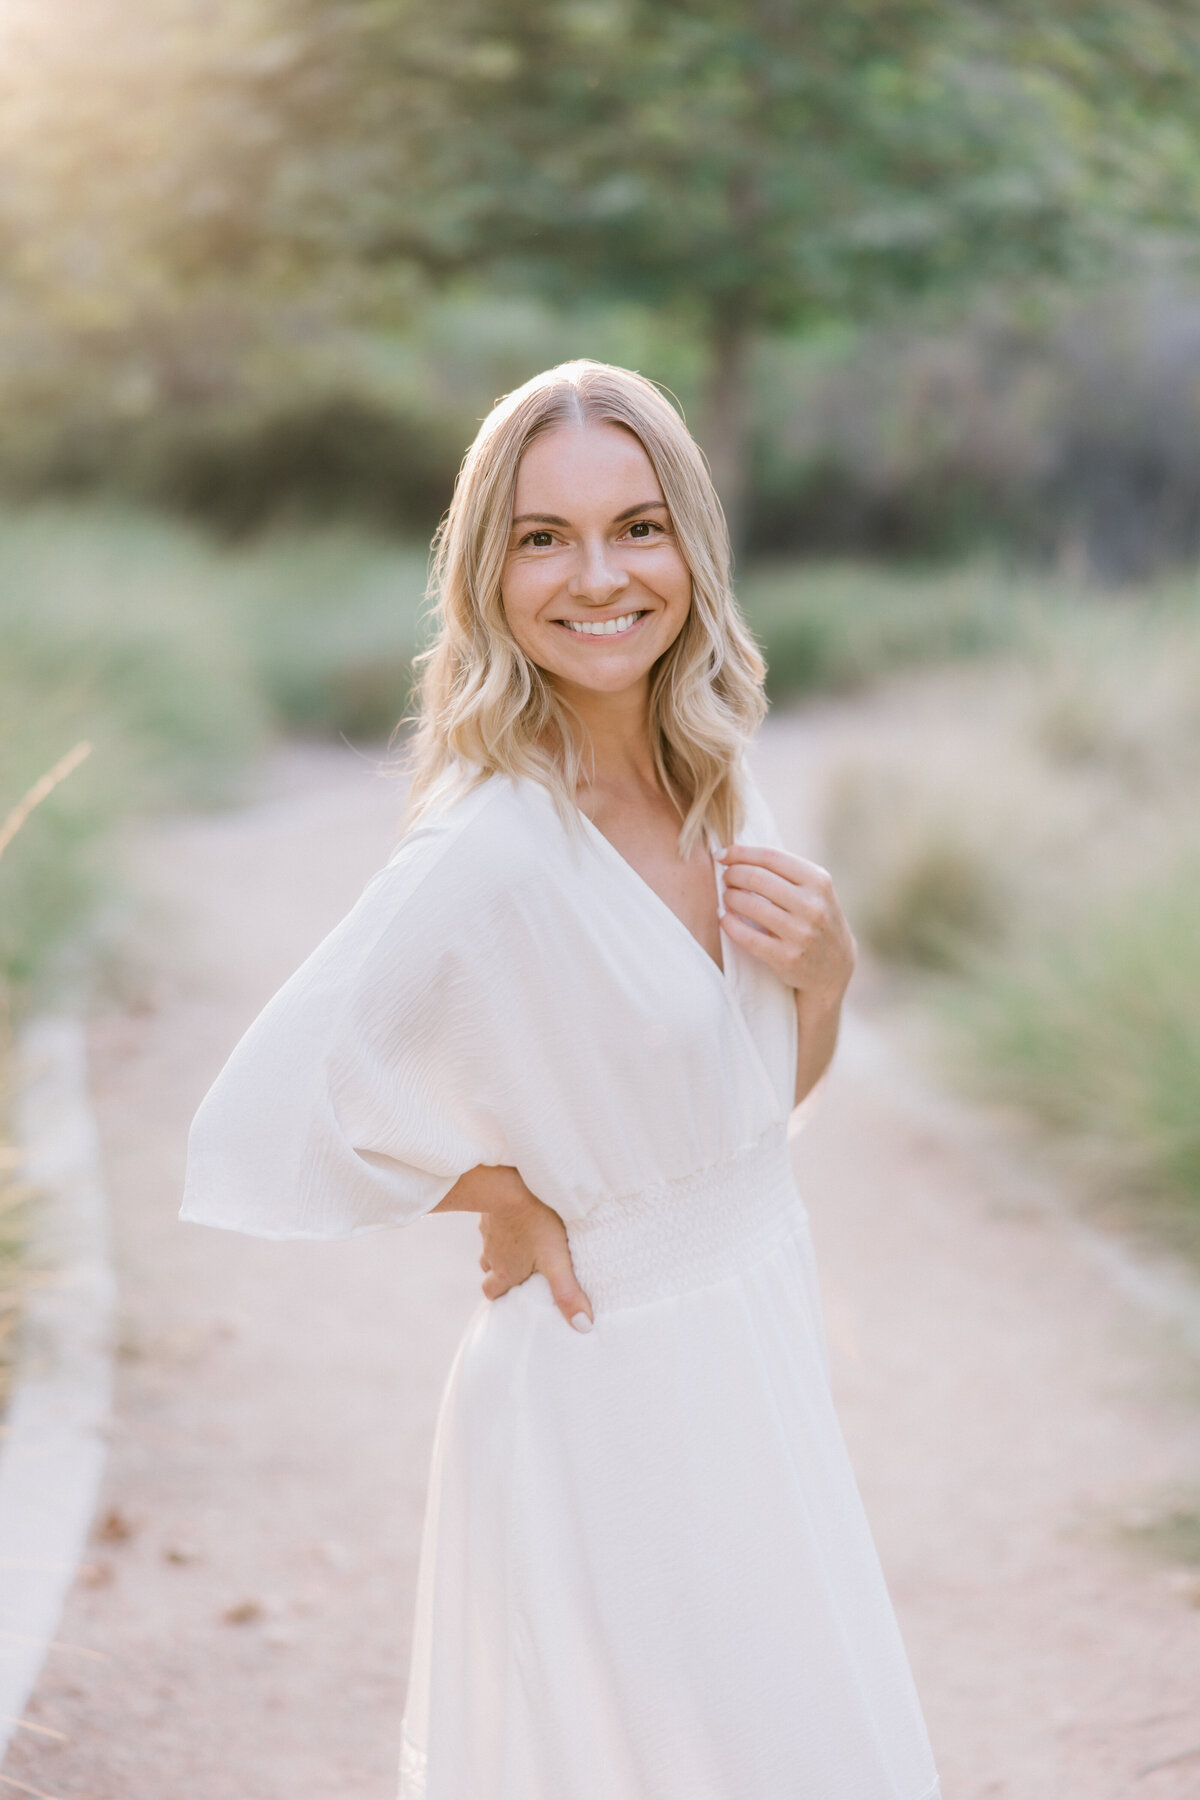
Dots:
pixel 597 575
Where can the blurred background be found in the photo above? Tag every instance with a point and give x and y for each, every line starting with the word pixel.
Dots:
pixel 923 276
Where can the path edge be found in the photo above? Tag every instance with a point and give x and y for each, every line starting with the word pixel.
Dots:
pixel 57 1427
pixel 1158 1285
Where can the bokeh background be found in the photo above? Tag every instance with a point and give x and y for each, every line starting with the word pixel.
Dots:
pixel 922 274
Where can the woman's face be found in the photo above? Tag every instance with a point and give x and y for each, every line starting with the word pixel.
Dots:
pixel 594 586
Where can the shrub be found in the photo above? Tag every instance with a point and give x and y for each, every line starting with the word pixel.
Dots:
pixel 923 885
pixel 316 460
pixel 836 626
pixel 1027 827
pixel 108 631
pixel 1096 1030
pixel 330 621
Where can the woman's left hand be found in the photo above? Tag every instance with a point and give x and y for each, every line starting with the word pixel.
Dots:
pixel 783 910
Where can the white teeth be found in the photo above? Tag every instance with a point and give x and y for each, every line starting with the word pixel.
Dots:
pixel 603 627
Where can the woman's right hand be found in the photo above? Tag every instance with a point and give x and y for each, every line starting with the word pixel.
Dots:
pixel 522 1236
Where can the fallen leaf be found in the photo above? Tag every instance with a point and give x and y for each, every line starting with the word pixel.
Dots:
pixel 243 1612
pixel 115 1526
pixel 182 1553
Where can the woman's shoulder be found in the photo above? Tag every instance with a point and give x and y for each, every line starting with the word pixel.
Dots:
pixel 484 837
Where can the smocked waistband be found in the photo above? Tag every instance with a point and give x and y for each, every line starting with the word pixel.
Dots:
pixel 688 1233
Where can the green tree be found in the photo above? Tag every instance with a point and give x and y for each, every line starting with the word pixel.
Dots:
pixel 747 164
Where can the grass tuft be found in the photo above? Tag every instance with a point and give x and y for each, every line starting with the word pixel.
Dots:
pixel 923 887
pixel 1096 1030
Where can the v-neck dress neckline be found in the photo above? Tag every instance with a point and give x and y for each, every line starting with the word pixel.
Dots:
pixel 723 969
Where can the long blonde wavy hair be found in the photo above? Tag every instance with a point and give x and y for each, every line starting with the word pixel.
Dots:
pixel 482 707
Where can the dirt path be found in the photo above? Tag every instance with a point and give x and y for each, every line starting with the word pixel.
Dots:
pixel 240 1631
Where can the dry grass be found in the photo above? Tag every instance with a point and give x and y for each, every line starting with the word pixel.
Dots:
pixel 15 1195
pixel 1023 838
pixel 924 883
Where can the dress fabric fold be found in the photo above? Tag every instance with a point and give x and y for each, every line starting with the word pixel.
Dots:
pixel 646 1573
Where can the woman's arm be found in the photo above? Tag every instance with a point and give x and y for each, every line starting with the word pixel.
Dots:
pixel 818 1038
pixel 783 910
pixel 521 1237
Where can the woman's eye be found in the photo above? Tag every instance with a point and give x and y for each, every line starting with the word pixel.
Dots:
pixel 539 539
pixel 642 528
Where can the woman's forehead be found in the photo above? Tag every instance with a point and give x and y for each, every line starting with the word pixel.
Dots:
pixel 589 466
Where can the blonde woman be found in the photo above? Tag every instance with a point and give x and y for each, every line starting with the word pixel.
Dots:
pixel 581 1000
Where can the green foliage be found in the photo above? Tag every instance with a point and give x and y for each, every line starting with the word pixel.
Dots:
pixel 106 633
pixel 1097 1031
pixel 769 157
pixel 250 179
pixel 744 168
pixel 757 163
pixel 833 627
pixel 310 461
pixel 174 658
pixel 330 621
pixel 109 617
pixel 1064 427
pixel 300 425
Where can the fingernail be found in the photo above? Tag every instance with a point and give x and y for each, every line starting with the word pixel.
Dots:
pixel 581 1322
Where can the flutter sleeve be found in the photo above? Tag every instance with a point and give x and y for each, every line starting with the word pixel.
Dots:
pixel 354 1100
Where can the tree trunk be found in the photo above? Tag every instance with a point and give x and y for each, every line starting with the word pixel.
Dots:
pixel 725 421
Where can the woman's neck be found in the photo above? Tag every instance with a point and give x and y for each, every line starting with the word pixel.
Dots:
pixel 618 757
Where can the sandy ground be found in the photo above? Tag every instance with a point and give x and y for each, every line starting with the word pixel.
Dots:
pixel 240 1629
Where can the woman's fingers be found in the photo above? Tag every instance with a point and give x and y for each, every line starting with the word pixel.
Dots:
pixel 556 1265
pixel 762 944
pixel 506 1258
pixel 742 878
pixel 784 910
pixel 516 1243
pixel 779 862
pixel 758 909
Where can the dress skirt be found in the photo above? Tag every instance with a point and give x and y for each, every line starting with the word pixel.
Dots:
pixel 646 1572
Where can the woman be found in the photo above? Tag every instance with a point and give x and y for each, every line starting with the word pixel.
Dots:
pixel 581 1000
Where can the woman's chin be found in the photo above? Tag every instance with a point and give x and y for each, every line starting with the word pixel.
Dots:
pixel 603 668
pixel 600 673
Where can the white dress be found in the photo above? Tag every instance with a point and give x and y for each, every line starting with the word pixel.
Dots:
pixel 646 1573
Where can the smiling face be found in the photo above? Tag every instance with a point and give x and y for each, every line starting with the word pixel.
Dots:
pixel 594 585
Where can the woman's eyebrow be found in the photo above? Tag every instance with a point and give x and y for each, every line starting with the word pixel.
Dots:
pixel 553 518
pixel 642 506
